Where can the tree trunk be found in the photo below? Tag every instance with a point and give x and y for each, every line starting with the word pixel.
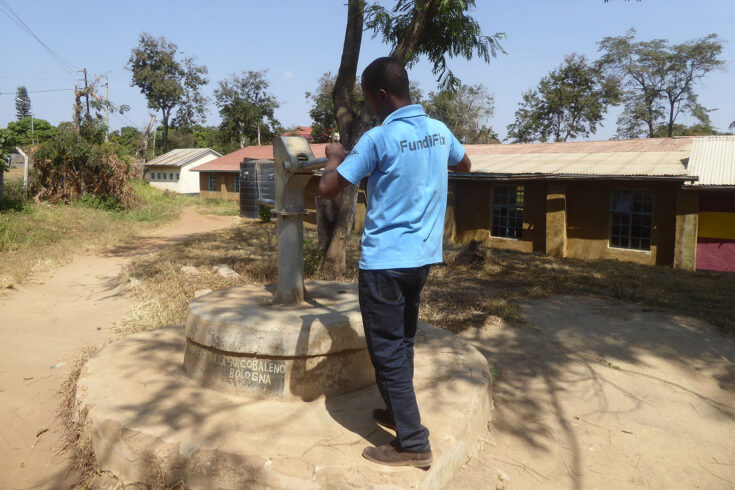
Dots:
pixel 165 114
pixel 335 219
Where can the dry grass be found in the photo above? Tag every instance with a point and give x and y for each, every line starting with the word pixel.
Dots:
pixel 38 236
pixel 461 295
pixel 77 446
pixel 463 292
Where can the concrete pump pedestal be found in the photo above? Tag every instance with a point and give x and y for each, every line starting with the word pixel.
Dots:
pixel 147 417
pixel 239 343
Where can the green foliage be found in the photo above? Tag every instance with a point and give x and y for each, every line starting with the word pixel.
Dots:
pixel 22 103
pixel 324 123
pixel 22 135
pixel 265 214
pixel 75 164
pixel 657 79
pixel 14 196
pixel 568 102
pixel 466 111
pixel 446 31
pixel 130 140
pixel 167 82
pixel 247 109
pixel 312 257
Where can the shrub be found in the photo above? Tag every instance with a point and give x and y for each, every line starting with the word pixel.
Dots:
pixel 75 164
pixel 265 214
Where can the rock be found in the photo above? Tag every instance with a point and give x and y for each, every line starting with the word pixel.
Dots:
pixel 191 270
pixel 201 292
pixel 225 270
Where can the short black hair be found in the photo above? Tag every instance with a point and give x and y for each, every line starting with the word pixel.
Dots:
pixel 388 74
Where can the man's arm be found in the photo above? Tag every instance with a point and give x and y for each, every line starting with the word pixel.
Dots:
pixel 463 166
pixel 332 183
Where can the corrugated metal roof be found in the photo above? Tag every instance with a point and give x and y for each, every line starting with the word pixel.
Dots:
pixel 231 161
pixel 178 157
pixel 713 161
pixel 645 157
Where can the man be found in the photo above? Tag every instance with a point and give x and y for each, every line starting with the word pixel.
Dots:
pixel 406 161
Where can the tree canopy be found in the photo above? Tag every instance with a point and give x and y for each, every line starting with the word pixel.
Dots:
pixel 570 101
pixel 168 81
pixel 22 103
pixel 658 79
pixel 466 111
pixel 247 108
pixel 21 134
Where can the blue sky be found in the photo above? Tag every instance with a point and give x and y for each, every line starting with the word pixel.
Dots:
pixel 298 41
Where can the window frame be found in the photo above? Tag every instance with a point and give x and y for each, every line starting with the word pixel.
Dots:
pixel 508 206
pixel 212 183
pixel 237 183
pixel 622 224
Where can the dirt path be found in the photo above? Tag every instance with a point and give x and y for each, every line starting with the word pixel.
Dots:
pixel 599 394
pixel 42 330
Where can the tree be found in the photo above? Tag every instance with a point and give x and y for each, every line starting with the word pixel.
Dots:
pixel 466 111
pixel 324 123
pixel 168 83
pixel 568 102
pixel 22 103
pixel 247 109
pixel 26 133
pixel 657 79
pixel 437 29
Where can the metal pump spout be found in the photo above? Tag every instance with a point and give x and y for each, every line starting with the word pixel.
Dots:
pixel 293 168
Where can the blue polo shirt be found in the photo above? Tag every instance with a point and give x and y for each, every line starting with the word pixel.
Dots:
pixel 405 160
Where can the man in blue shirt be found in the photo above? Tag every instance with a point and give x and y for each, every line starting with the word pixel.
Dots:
pixel 406 160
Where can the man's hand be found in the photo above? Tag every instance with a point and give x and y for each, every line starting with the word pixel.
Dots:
pixel 335 151
pixel 332 183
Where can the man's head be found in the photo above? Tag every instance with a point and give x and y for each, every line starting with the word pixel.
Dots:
pixel 385 85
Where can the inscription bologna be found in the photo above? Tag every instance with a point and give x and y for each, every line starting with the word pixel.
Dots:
pixel 259 374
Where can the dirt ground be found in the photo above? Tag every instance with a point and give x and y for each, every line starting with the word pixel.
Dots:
pixel 597 394
pixel 590 394
pixel 43 328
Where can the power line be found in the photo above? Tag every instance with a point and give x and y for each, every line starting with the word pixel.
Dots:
pixel 40 91
pixel 63 62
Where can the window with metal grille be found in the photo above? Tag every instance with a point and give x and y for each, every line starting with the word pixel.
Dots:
pixel 507 214
pixel 631 218
pixel 212 183
pixel 237 183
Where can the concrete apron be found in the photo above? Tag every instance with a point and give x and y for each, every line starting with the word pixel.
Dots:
pixel 147 418
pixel 237 342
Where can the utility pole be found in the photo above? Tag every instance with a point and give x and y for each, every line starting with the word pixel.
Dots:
pixel 107 108
pixel 86 90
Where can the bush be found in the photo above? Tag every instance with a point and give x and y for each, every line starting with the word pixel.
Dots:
pixel 14 196
pixel 265 214
pixel 75 164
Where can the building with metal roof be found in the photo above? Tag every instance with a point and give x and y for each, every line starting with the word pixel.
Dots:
pixel 172 170
pixel 646 200
pixel 712 161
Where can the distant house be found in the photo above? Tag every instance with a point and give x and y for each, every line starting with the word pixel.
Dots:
pixel 172 171
pixel 633 200
pixel 222 178
pixel 304 131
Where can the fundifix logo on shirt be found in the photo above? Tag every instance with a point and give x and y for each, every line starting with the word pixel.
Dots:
pixel 430 140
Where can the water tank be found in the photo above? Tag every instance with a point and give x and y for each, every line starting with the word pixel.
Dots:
pixel 256 181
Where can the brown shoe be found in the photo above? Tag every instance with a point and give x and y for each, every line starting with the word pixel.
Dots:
pixel 390 456
pixel 383 417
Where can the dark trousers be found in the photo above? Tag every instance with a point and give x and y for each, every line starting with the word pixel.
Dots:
pixel 389 302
